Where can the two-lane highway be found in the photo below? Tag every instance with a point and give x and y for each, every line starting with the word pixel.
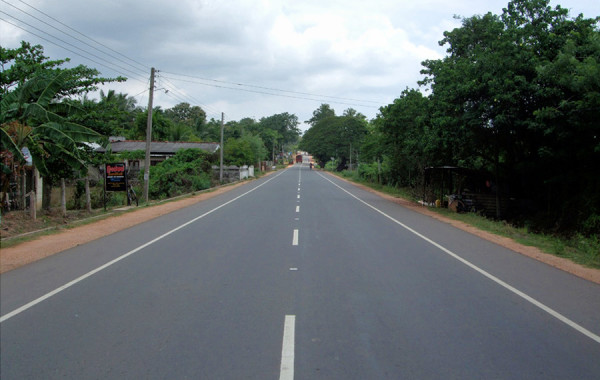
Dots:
pixel 296 275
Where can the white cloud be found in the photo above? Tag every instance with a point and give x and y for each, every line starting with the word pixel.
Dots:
pixel 356 49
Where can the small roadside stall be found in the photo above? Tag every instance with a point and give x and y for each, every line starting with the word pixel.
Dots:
pixel 461 190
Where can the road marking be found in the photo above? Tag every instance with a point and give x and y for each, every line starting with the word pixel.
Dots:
pixel 297 208
pixel 298 189
pixel 293 269
pixel 490 276
pixel 295 238
pixel 287 348
pixel 298 196
pixel 114 261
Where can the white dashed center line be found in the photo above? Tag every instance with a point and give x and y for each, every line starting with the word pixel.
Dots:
pixel 287 350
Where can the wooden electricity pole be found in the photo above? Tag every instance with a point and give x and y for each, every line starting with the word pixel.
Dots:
pixel 221 149
pixel 148 138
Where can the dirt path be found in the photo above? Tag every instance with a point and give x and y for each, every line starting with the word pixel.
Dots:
pixel 44 246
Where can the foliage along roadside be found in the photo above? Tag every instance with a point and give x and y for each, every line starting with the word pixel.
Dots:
pixel 516 97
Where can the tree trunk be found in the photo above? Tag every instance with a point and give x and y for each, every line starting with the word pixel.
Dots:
pixel 46 193
pixel 63 201
pixel 32 204
pixel 88 198
pixel 497 175
pixel 23 192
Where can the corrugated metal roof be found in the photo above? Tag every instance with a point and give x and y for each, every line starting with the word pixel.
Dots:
pixel 163 147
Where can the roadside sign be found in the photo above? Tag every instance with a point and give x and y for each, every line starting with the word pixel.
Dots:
pixel 27 155
pixel 115 179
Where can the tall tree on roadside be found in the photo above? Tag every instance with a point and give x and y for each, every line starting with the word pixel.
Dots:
pixel 334 136
pixel 324 111
pixel 509 91
pixel 406 142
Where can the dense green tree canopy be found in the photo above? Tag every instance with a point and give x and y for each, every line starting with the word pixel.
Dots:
pixel 334 136
pixel 515 96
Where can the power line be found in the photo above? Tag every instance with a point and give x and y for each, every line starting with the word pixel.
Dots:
pixel 275 89
pixel 274 94
pixel 144 67
pixel 73 37
pixel 62 47
pixel 194 100
pixel 63 41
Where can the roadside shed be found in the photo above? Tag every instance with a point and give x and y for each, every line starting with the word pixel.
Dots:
pixel 446 183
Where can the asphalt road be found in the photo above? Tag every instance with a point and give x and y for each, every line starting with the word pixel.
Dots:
pixel 296 275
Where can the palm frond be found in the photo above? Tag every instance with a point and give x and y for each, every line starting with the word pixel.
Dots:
pixel 8 144
pixel 53 86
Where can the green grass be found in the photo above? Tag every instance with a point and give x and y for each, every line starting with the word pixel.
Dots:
pixel 579 249
pixel 399 192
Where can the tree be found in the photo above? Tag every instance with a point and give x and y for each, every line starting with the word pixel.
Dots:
pixel 191 116
pixel 246 150
pixel 161 125
pixel 515 96
pixel 211 131
pixel 334 136
pixel 34 111
pixel 323 112
pixel 322 139
pixel 27 62
pixel 22 63
pixel 404 136
pixel 113 115
pixel 31 119
pixel 286 130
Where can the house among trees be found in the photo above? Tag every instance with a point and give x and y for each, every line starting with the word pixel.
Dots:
pixel 159 150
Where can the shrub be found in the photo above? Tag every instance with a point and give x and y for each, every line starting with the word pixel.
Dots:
pixel 187 171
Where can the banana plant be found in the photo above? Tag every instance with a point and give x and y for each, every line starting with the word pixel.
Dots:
pixel 30 116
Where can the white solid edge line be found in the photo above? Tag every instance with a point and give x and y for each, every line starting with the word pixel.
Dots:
pixel 114 261
pixel 511 288
pixel 287 348
pixel 295 238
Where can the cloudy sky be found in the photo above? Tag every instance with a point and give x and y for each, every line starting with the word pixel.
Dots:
pixel 251 58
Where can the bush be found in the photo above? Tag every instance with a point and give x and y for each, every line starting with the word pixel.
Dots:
pixel 187 171
pixel 369 172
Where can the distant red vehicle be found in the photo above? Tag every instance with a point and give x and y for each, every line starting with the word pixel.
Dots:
pixel 299 159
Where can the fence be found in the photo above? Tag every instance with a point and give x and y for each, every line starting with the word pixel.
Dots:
pixel 233 173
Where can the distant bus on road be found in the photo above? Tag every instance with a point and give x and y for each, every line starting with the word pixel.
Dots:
pixel 299 159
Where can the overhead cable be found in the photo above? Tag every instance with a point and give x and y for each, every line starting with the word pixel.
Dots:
pixel 68 43
pixel 275 89
pixel 315 98
pixel 142 67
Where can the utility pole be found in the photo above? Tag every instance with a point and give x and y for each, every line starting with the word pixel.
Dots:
pixel 148 138
pixel 221 149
